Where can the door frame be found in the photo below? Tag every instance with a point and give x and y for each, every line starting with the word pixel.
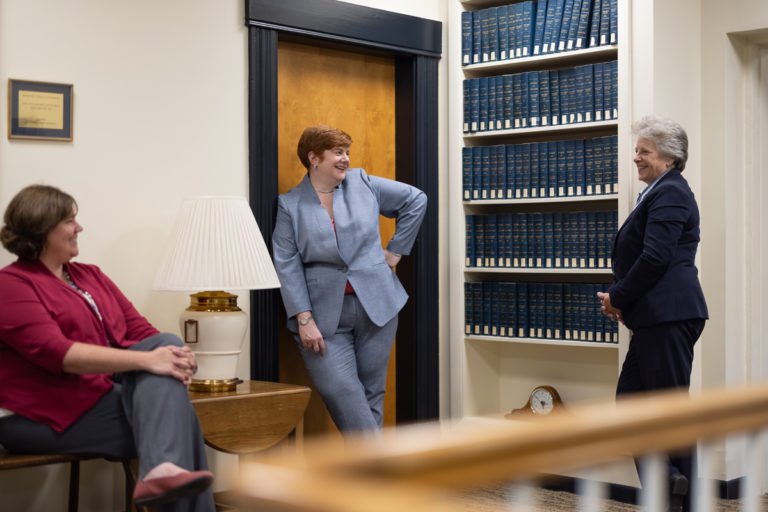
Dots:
pixel 415 45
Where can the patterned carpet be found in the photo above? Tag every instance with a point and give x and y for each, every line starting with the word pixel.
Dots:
pixel 501 499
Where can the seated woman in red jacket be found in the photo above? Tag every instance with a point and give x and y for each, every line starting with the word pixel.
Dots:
pixel 82 371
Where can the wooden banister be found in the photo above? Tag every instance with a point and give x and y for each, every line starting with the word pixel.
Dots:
pixel 416 463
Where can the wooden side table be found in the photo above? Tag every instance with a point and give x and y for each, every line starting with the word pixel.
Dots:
pixel 253 417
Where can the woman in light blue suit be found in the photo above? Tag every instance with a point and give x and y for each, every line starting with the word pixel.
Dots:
pixel 337 281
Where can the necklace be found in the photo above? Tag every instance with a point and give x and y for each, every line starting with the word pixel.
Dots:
pixel 324 191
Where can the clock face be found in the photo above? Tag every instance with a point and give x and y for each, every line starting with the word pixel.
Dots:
pixel 542 401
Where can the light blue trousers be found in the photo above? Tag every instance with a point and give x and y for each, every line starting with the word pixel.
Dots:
pixel 352 375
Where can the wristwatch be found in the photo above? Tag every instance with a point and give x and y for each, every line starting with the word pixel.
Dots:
pixel 305 320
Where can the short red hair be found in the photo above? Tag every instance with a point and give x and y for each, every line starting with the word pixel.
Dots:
pixel 320 138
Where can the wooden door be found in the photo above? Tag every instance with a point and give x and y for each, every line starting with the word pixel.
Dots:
pixel 356 93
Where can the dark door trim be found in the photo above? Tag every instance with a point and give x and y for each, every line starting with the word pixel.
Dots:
pixel 415 44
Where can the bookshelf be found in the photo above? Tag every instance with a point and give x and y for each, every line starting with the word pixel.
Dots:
pixel 492 374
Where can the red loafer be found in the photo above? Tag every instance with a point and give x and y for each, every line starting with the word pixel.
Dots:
pixel 171 488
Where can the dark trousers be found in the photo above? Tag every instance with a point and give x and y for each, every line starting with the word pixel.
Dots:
pixel 144 415
pixel 660 357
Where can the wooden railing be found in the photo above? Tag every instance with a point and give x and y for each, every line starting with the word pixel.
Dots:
pixel 419 467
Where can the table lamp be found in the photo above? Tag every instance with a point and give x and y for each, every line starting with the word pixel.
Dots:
pixel 215 245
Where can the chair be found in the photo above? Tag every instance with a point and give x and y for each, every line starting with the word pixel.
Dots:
pixel 16 461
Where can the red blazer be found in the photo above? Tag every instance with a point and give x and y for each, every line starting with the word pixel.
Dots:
pixel 40 318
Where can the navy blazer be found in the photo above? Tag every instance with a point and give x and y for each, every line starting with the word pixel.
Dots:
pixel 314 264
pixel 655 278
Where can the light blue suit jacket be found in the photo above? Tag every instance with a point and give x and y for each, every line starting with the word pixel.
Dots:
pixel 314 264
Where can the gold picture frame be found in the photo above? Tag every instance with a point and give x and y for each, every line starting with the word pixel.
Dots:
pixel 39 110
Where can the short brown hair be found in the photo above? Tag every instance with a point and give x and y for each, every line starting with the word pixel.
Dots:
pixel 320 138
pixel 32 213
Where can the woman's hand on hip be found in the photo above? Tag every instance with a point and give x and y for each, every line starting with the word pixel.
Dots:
pixel 311 339
pixel 392 258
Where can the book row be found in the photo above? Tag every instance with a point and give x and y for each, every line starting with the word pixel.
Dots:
pixel 562 168
pixel 552 97
pixel 532 28
pixel 557 311
pixel 540 240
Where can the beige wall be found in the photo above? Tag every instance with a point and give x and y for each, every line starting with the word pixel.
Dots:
pixel 160 113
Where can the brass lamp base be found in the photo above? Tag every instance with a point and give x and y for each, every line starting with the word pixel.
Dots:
pixel 214 385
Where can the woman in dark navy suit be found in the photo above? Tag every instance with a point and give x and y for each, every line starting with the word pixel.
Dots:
pixel 656 291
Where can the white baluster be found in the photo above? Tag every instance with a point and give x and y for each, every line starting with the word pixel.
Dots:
pixel 653 470
pixel 703 489
pixel 521 497
pixel 750 496
pixel 591 491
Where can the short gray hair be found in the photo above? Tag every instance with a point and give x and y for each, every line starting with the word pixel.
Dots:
pixel 668 135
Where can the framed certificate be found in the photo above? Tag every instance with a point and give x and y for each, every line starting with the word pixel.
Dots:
pixel 39 110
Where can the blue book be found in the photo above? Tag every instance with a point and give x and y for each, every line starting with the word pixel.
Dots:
pixel 613 66
pixel 557 240
pixel 582 32
pixel 538 33
pixel 552 173
pixel 570 167
pixel 562 175
pixel 594 25
pixel 548 222
pixel 493 33
pixel 502 300
pixel 524 100
pixel 544 103
pixel 573 26
pixel 555 305
pixel 592 240
pixel 524 151
pixel 533 99
pixel 474 104
pixel 491 103
pixel 583 240
pixel 552 25
pixel 597 164
pixel 525 237
pixel 466 172
pixel 536 306
pixel 493 171
pixel 477 308
pixel 613 168
pixel 479 240
pixel 572 247
pixel 522 310
pixel 477 172
pixel 528 27
pixel 565 23
pixel 613 39
pixel 517 100
pixel 486 322
pixel 589 93
pixel 543 150
pixel 520 179
pixel 511 172
pixel 469 241
pixel 507 99
pixel 556 23
pixel 466 106
pixel 495 307
pixel 517 13
pixel 517 239
pixel 502 18
pixel 483 103
pixel 491 240
pixel 589 168
pixel 511 312
pixel 605 22
pixel 567 311
pixel 485 35
pixel 578 167
pixel 554 96
pixel 598 90
pixel 477 37
pixel 466 37
pixel 468 308
pixel 501 171
pixel 568 95
pixel 534 190
pixel 599 243
pixel 537 252
pixel 485 172
pixel 504 231
pixel 499 102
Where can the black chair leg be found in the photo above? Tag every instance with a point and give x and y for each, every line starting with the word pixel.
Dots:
pixel 74 485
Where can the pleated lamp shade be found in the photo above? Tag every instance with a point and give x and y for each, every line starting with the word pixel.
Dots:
pixel 216 245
